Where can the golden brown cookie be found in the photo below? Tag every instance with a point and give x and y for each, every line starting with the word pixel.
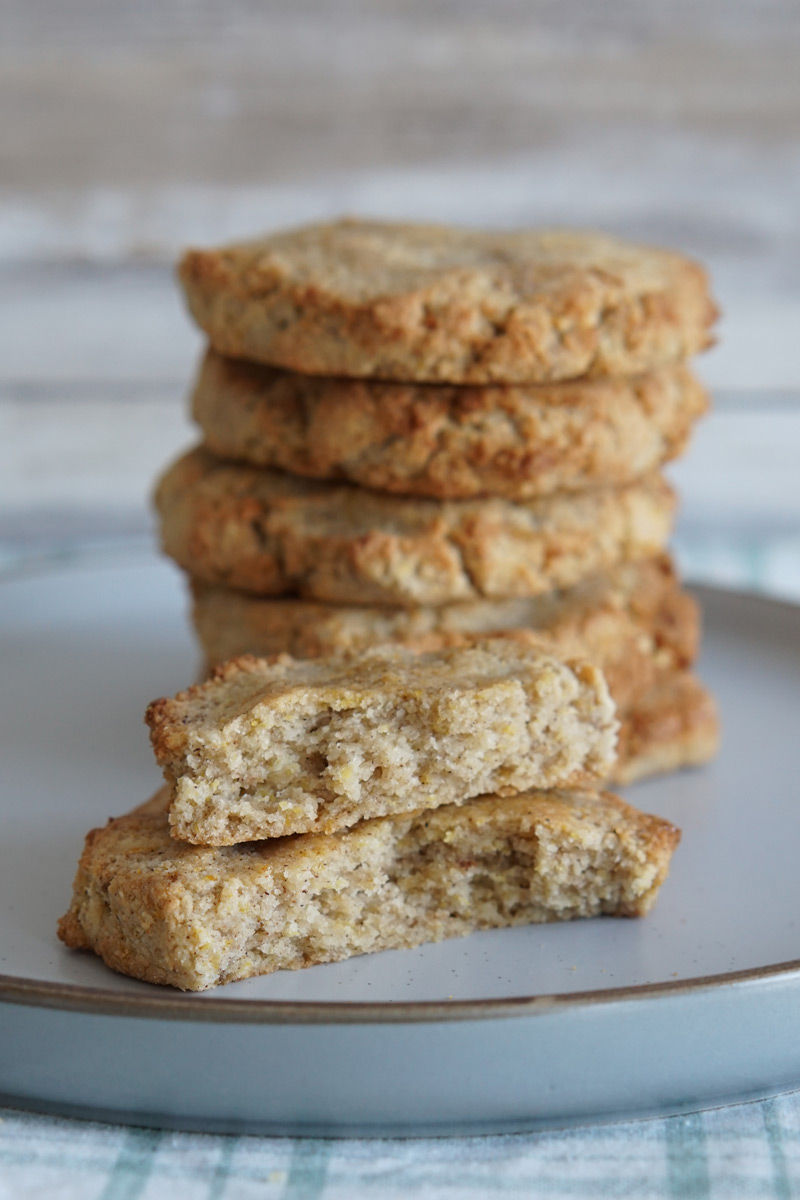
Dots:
pixel 443 441
pixel 272 534
pixel 193 917
pixel 674 725
pixel 268 747
pixel 438 304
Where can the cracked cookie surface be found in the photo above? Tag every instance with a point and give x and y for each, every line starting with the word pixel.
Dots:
pixel 439 304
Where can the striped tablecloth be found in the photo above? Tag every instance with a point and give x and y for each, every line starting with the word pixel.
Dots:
pixel 748 1150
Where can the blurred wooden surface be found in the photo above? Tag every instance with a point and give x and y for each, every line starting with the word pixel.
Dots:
pixel 131 129
pixel 149 93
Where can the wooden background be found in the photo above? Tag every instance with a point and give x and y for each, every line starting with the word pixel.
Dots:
pixel 131 129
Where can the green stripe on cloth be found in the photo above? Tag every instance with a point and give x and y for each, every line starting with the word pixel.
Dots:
pixel 308 1170
pixel 781 1187
pixel 133 1166
pixel 687 1159
pixel 219 1179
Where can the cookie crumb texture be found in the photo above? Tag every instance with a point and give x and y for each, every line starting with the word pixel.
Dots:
pixel 268 748
pixel 437 304
pixel 193 917
pixel 447 442
pixel 270 534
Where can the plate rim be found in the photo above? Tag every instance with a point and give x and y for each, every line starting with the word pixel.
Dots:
pixel 79 998
pixel 185 1006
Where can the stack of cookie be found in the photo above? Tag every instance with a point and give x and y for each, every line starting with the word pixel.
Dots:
pixel 316 810
pixel 421 434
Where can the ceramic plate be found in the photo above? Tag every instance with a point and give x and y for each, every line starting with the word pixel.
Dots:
pixel 698 1004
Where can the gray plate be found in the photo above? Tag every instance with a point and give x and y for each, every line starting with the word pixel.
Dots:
pixel 699 1004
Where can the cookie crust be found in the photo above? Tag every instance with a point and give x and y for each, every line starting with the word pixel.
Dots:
pixel 438 304
pixel 447 442
pixel 272 534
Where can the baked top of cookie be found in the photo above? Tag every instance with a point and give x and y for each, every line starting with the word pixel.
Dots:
pixel 271 534
pixel 446 441
pixel 195 916
pixel 269 747
pixel 427 302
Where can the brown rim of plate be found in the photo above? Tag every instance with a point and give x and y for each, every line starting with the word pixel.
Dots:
pixel 170 1006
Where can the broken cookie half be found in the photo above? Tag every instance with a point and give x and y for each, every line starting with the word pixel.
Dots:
pixel 269 747
pixel 194 916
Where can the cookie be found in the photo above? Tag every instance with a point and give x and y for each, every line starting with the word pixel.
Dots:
pixel 269 533
pixel 436 304
pixel 447 442
pixel 269 747
pixel 674 725
pixel 192 916
pixel 634 622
